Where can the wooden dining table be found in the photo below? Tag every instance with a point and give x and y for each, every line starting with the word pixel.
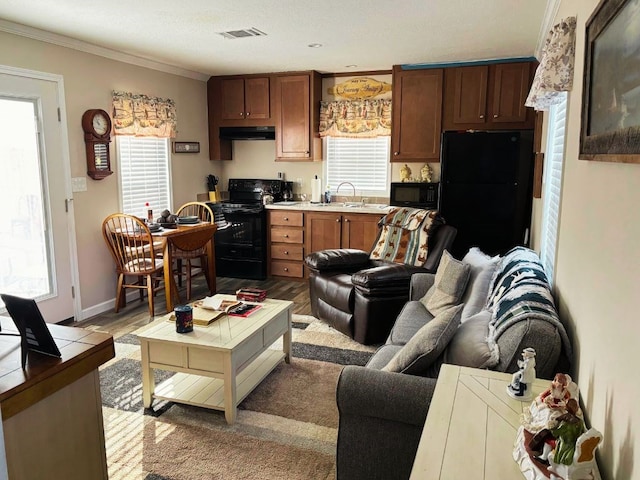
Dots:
pixel 187 237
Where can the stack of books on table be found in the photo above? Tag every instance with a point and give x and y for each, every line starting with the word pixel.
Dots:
pixel 250 294
pixel 210 309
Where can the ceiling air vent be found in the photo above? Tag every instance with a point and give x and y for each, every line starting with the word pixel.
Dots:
pixel 249 32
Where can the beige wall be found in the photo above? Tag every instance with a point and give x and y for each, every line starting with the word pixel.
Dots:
pixel 89 81
pixel 598 280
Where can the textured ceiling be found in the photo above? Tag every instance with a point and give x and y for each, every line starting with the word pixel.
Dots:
pixel 370 34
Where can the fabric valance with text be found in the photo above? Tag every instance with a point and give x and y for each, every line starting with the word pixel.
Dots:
pixel 355 118
pixel 143 116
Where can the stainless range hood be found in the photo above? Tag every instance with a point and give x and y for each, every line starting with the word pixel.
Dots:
pixel 247 133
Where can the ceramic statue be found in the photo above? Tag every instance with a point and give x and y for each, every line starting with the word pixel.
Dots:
pixel 520 386
pixel 405 173
pixel 553 441
pixel 426 173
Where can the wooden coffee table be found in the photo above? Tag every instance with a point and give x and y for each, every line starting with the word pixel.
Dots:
pixel 218 365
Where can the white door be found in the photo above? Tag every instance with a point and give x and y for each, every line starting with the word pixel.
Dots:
pixel 37 247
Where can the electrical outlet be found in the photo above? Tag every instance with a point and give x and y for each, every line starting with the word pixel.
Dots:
pixel 299 181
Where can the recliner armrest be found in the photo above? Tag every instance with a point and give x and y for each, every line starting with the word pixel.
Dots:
pixel 338 259
pixel 385 279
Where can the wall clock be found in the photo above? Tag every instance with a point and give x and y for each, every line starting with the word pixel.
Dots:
pixel 97 136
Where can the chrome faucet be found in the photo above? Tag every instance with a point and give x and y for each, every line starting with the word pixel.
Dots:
pixel 346 183
pixel 353 203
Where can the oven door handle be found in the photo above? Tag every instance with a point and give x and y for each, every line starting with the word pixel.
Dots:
pixel 241 210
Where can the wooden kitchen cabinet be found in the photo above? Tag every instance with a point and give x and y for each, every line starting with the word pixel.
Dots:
pixel 359 231
pixel 245 98
pixel 488 97
pixel 286 243
pixel 325 229
pixel 340 230
pixel 296 99
pixel 294 234
pixel 417 115
pixel 236 101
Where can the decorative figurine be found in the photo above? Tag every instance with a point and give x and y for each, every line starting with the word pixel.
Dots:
pixel 426 173
pixel 405 173
pixel 519 388
pixel 552 441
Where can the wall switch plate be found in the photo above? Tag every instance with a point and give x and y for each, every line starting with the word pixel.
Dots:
pixel 79 184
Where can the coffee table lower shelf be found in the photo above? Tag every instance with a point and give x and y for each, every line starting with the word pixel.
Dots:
pixel 209 392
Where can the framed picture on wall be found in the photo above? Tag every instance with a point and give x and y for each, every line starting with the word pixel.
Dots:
pixel 610 130
pixel 186 147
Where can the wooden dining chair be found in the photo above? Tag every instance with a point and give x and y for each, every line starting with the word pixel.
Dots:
pixel 130 243
pixel 186 267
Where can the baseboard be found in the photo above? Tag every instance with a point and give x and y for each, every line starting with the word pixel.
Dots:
pixel 105 306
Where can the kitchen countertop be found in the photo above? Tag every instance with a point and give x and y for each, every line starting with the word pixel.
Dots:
pixel 330 207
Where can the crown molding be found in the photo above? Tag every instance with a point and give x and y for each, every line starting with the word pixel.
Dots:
pixel 550 13
pixel 68 42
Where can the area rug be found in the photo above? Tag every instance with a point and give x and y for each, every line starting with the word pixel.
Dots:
pixel 285 429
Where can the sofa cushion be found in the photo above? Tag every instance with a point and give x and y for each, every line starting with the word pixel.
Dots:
pixel 449 285
pixel 427 344
pixel 481 270
pixel 411 318
pixel 469 347
pixel 382 356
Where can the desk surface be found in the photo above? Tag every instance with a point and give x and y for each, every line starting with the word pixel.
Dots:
pixel 82 351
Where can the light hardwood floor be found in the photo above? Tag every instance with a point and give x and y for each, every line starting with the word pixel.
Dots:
pixel 136 313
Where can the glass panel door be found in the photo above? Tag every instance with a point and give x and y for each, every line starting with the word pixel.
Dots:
pixel 37 240
pixel 25 269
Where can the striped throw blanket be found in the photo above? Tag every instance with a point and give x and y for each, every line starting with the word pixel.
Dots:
pixel 520 291
pixel 404 235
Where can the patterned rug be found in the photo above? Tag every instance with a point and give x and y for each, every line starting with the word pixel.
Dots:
pixel 286 428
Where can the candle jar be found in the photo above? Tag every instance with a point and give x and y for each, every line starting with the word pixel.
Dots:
pixel 184 318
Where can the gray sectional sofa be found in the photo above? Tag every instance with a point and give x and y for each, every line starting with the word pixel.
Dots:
pixel 505 306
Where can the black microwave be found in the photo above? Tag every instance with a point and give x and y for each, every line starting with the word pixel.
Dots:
pixel 414 194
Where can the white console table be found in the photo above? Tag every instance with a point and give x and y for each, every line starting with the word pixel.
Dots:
pixel 471 427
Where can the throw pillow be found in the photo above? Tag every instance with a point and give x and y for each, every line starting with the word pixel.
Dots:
pixel 427 344
pixel 449 284
pixel 481 270
pixel 469 346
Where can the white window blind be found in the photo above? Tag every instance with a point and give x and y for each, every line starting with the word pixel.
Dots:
pixel 553 185
pixel 361 161
pixel 144 174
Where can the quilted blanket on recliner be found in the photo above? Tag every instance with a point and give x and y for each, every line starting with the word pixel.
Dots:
pixel 404 235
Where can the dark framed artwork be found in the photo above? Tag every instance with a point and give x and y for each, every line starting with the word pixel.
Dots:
pixel 610 130
pixel 186 147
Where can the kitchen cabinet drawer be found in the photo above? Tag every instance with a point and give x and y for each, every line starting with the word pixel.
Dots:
pixel 294 219
pixel 286 269
pixel 287 235
pixel 287 252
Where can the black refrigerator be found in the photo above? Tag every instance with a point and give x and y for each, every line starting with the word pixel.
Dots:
pixel 486 189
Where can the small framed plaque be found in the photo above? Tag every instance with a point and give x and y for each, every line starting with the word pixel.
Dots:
pixel 186 147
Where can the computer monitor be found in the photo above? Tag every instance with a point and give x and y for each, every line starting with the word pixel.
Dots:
pixel 33 329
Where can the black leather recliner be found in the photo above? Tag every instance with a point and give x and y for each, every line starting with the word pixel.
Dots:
pixel 361 297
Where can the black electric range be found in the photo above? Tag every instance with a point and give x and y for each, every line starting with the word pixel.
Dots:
pixel 241 238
